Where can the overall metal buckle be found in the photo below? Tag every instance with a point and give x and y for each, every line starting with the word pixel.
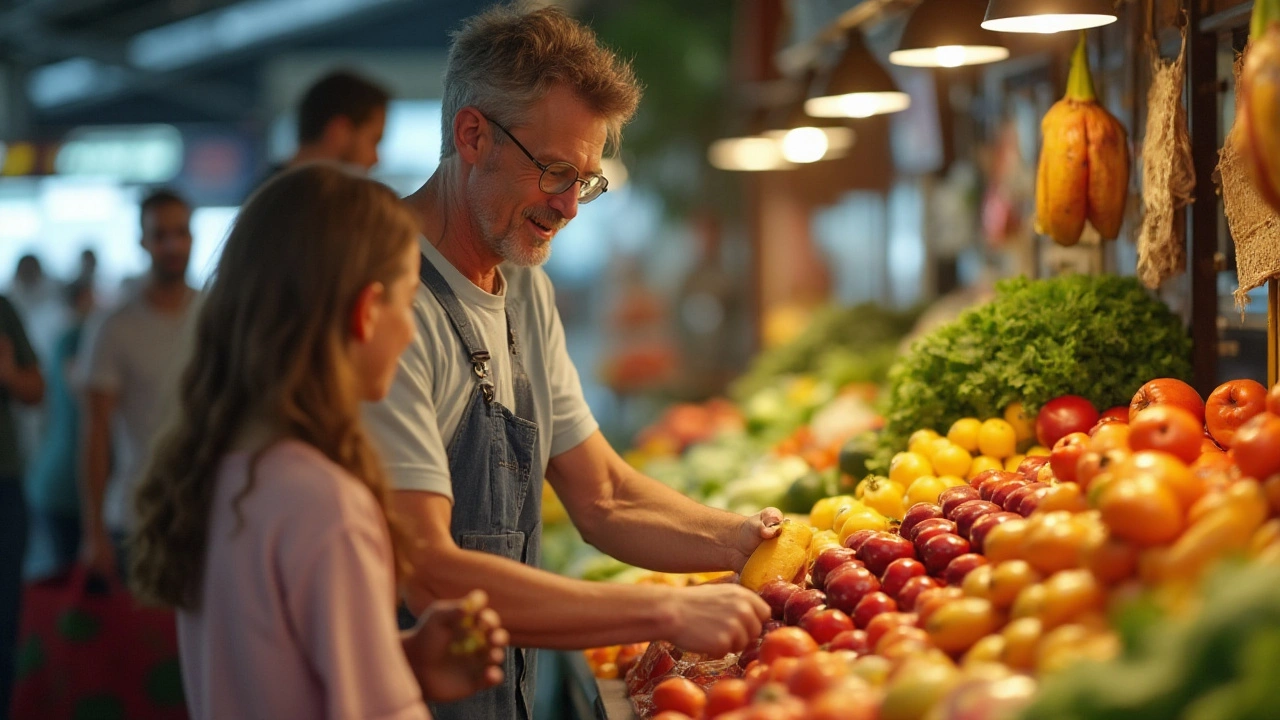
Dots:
pixel 480 364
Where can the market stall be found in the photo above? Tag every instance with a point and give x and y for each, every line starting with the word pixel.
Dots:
pixel 1051 503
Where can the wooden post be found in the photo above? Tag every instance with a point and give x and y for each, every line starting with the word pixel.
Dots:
pixel 1202 102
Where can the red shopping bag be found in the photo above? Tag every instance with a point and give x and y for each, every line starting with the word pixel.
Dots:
pixel 88 651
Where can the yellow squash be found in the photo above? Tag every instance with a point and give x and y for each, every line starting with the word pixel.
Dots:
pixel 1259 121
pixel 1084 162
pixel 781 557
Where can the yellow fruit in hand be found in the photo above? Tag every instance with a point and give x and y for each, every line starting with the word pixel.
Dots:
pixel 925 489
pixel 951 459
pixel 1038 451
pixel 884 496
pixel 964 432
pixel 907 466
pixel 997 439
pixel 863 519
pixel 1024 426
pixel 920 441
pixel 779 558
pixel 1012 462
pixel 982 463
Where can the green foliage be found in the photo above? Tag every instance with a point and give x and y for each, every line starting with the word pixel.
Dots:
pixel 1101 337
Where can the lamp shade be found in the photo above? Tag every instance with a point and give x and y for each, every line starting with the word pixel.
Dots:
pixel 1048 16
pixel 948 33
pixel 856 86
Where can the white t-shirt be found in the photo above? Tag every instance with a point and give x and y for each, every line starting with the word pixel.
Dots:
pixel 435 381
pixel 137 353
pixel 297 607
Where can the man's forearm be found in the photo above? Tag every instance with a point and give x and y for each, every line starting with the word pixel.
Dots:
pixel 26 385
pixel 650 525
pixel 541 609
pixel 93 479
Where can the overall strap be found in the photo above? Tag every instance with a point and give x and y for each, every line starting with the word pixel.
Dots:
pixel 444 294
pixel 519 379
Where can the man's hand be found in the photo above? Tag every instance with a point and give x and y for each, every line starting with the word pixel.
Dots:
pixel 458 648
pixel 715 620
pixel 99 555
pixel 754 530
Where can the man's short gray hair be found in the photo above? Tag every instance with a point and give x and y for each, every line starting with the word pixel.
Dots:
pixel 506 59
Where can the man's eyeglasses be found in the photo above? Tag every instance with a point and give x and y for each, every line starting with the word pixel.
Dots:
pixel 560 176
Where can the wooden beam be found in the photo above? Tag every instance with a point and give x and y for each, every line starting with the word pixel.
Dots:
pixel 1202 100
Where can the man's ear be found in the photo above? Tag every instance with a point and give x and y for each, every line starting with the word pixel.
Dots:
pixel 365 312
pixel 471 135
pixel 339 132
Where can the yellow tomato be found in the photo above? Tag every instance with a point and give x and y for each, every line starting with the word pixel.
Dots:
pixel 983 463
pixel 925 489
pixel 1021 637
pixel 987 650
pixel 1005 541
pixel 862 519
pixel 821 541
pixel 1038 451
pixel 921 440
pixel 997 439
pixel 1023 424
pixel 1012 462
pixel 964 433
pixel 847 507
pixel 956 626
pixel 951 459
pixel 823 514
pixel 1054 542
pixel 1069 595
pixel 884 496
pixel 1008 580
pixel 907 466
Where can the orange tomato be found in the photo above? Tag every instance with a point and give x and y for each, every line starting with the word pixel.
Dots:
pixel 1021 637
pixel 1255 447
pixel 1054 541
pixel 679 695
pixel 1029 603
pixel 727 695
pixel 1110 559
pixel 1067 496
pixel 1005 541
pixel 1111 436
pixel 1142 510
pixel 989 649
pixel 1009 579
pixel 1069 595
pixel 786 642
pixel 1271 487
pixel 816 673
pixel 956 626
pixel 1169 470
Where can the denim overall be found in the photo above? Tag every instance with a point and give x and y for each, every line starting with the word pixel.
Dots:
pixel 497 507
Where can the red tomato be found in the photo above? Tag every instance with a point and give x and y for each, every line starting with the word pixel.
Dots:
pixel 1231 405
pixel 679 695
pixel 786 642
pixel 1167 428
pixel 1257 448
pixel 1119 412
pixel 824 625
pixel 1167 391
pixel 1066 455
pixel 1062 416
pixel 727 695
pixel 816 673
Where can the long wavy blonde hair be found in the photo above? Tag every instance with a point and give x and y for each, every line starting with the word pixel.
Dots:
pixel 270 348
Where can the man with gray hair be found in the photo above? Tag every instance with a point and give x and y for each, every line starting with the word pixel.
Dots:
pixel 487 402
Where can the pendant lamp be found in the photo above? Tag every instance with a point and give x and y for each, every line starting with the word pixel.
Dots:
pixel 1048 16
pixel 948 33
pixel 749 151
pixel 857 86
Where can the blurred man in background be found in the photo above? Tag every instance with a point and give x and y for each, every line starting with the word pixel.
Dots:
pixel 341 119
pixel 128 363
pixel 20 382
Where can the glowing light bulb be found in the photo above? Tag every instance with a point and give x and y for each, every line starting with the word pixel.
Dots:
pixel 804 145
pixel 950 56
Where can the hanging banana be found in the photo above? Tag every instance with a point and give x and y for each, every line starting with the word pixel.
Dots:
pixel 1259 122
pixel 1084 162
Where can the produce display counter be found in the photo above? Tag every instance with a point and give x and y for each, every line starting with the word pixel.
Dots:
pixel 591 698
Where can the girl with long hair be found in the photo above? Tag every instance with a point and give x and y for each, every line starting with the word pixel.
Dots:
pixel 263 517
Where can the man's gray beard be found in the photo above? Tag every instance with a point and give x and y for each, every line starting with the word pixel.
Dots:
pixel 509 248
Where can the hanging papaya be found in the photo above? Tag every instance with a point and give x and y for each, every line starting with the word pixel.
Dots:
pixel 1259 88
pixel 1084 162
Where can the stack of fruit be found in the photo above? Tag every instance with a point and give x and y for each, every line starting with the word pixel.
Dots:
pixel 967 598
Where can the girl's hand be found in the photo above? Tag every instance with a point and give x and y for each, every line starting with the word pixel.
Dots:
pixel 460 648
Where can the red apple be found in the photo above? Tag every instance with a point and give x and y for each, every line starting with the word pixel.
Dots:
pixel 776 593
pixel 1257 448
pixel 915 514
pixel 966 514
pixel 840 570
pixel 938 552
pixel 1011 502
pixel 898 573
pixel 1066 455
pixel 928 528
pixel 847 588
pixel 1062 416
pixel 1167 391
pixel 1119 412
pixel 930 601
pixel 1169 429
pixel 1000 478
pixel 829 560
pixel 907 596
pixel 1028 504
pixel 984 525
pixel 977 481
pixel 855 640
pixel 871 605
pixel 824 625
pixel 885 622
pixel 961 566
pixel 1001 494
pixel 1029 468
pixel 877 552
pixel 1231 405
pixel 800 603
pixel 857 537
pixel 952 497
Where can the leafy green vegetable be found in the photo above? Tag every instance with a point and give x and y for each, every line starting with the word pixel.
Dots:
pixel 1101 337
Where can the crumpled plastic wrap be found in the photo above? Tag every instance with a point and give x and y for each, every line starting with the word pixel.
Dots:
pixel 663 660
